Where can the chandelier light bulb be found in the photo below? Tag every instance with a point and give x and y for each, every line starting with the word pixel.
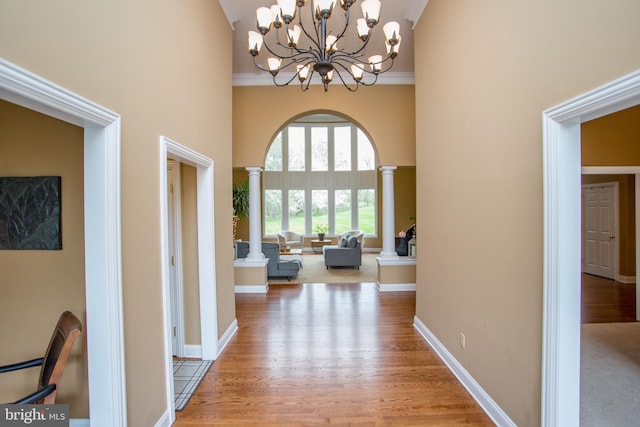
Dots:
pixel 277 16
pixel 274 65
pixel 323 8
pixel 332 43
pixel 371 11
pixel 391 32
pixel 357 72
pixel 375 61
pixel 346 4
pixel 363 29
pixel 329 76
pixel 255 42
pixel 303 72
pixel 393 50
pixel 293 35
pixel 287 10
pixel 265 18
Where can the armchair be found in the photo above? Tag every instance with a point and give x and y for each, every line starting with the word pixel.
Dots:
pixel 290 239
pixel 53 363
pixel 277 266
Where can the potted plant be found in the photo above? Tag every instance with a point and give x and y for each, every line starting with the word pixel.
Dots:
pixel 321 229
pixel 240 204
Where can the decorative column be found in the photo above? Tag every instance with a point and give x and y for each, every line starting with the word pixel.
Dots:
pixel 255 223
pixel 388 213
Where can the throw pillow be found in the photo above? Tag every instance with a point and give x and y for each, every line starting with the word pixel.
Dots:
pixel 352 242
pixel 343 242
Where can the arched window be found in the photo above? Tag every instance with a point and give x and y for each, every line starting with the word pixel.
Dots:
pixel 320 170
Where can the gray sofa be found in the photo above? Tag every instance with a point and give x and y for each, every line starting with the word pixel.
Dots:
pixel 348 252
pixel 276 267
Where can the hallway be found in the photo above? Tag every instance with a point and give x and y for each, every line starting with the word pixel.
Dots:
pixel 332 354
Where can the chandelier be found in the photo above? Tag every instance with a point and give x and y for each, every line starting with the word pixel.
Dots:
pixel 322 50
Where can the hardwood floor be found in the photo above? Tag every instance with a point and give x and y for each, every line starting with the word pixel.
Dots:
pixel 607 301
pixel 329 354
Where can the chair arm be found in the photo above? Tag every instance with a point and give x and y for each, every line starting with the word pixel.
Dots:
pixel 36 396
pixel 21 365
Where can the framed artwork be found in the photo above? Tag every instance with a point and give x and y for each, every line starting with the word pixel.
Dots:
pixel 30 210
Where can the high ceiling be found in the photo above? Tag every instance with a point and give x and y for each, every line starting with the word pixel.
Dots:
pixel 242 14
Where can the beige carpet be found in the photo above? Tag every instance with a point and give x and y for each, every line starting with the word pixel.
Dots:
pixel 314 271
pixel 610 375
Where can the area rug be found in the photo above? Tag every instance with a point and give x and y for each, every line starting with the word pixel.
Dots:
pixel 610 374
pixel 187 375
pixel 314 271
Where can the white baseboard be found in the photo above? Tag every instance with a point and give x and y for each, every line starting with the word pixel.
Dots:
pixel 79 422
pixel 226 337
pixel 484 400
pixel 396 287
pixel 193 351
pixel 164 421
pixel 252 289
pixel 626 279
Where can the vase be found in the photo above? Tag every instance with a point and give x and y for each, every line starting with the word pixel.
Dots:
pixel 321 236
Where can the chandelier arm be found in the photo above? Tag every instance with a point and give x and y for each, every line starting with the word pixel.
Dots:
pixel 361 82
pixel 298 52
pixel 339 74
pixel 346 24
pixel 275 82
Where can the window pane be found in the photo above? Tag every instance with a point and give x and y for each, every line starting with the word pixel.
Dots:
pixel 319 149
pixel 272 211
pixel 366 211
pixel 342 149
pixel 296 211
pixel 296 149
pixel 366 156
pixel 343 211
pixel 319 208
pixel 274 156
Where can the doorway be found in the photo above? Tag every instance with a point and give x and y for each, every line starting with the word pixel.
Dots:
pixel 562 237
pixel 600 229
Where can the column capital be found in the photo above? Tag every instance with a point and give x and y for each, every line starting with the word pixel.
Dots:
pixel 387 169
pixel 253 169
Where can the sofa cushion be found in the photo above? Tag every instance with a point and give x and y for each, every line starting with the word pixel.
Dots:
pixel 352 242
pixel 343 242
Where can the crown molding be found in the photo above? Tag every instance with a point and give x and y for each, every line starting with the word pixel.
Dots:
pixel 414 11
pixel 265 79
pixel 229 11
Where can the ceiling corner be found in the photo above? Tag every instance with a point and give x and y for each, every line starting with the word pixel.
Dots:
pixel 414 10
pixel 230 11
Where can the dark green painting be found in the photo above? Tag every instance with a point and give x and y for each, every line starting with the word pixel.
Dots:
pixel 30 213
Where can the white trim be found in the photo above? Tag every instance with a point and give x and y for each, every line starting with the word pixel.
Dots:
pixel 561 305
pixel 79 422
pixel 252 289
pixel 177 302
pixel 265 79
pixel 396 261
pixel 206 256
pixel 610 170
pixel 485 401
pixel 103 265
pixel 625 279
pixel 228 334
pixel 396 287
pixel 193 351
pixel 415 10
pixel 166 420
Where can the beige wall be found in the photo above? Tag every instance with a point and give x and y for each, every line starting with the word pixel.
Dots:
pixel 38 285
pixel 612 140
pixel 386 113
pixel 626 218
pixel 165 67
pixel 485 72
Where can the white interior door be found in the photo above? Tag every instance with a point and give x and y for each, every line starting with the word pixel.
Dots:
pixel 174 261
pixel 599 229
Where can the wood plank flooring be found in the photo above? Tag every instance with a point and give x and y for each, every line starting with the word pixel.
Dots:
pixel 607 301
pixel 329 354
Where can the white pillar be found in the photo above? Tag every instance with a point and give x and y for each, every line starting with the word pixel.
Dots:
pixel 255 223
pixel 388 213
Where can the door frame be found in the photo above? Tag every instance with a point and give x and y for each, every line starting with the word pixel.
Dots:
pixel 102 231
pixel 206 256
pixel 616 226
pixel 560 396
pixel 174 223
